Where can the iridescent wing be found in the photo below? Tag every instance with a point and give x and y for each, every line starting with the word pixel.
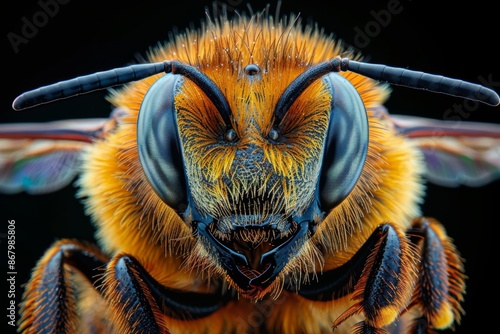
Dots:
pixel 455 152
pixel 40 158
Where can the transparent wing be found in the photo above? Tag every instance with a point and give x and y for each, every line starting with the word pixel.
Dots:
pixel 38 166
pixel 456 153
pixel 40 158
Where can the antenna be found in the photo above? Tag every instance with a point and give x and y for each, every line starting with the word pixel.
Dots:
pixel 393 75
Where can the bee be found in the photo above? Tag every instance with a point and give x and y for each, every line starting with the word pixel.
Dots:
pixel 249 179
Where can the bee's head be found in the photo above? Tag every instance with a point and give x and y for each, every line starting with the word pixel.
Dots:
pixel 253 173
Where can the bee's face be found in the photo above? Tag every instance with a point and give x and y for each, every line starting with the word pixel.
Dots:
pixel 237 148
pixel 252 188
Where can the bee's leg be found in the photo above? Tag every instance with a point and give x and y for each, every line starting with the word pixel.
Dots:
pixel 441 282
pixel 49 303
pixel 141 305
pixel 386 283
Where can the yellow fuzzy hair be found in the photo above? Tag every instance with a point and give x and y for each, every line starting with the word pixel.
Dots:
pixel 131 218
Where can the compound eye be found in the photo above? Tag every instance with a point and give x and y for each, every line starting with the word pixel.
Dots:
pixel 346 142
pixel 158 142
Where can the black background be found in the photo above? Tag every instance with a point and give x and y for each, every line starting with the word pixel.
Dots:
pixel 84 37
